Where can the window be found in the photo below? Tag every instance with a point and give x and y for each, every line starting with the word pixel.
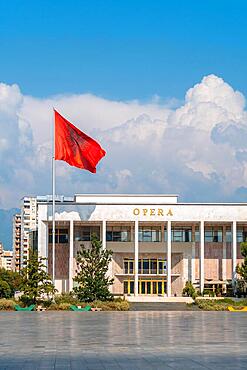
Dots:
pixel 162 265
pixel 182 234
pixel 241 235
pixel 213 235
pixel 85 233
pixel 149 234
pixel 146 266
pixel 118 233
pixel 197 234
pixel 228 235
pixel 129 287
pixel 129 266
pixel 61 236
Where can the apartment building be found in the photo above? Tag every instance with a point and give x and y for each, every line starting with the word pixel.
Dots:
pixel 17 242
pixel 28 224
pixel 7 260
pixel 1 253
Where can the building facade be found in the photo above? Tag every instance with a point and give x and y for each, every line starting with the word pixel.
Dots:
pixel 1 253
pixel 17 242
pixel 28 224
pixel 7 260
pixel 158 243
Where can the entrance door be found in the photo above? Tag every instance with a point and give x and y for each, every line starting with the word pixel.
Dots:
pixel 152 287
pixel 146 287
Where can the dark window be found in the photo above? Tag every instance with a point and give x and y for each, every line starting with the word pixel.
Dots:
pixel 132 287
pixel 213 235
pixel 61 236
pixel 181 234
pixel 149 234
pixel 153 266
pixel 85 233
pixel 118 233
pixel 145 266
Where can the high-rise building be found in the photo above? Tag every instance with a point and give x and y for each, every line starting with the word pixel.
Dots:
pixel 1 253
pixel 7 260
pixel 17 242
pixel 28 224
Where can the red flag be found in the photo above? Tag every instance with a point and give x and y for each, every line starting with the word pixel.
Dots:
pixel 75 147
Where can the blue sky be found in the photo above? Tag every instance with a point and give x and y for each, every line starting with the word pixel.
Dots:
pixel 162 86
pixel 130 49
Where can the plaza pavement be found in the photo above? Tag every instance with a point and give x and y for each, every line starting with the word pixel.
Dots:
pixel 123 340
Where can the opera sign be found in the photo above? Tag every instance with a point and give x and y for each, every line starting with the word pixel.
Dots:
pixel 152 212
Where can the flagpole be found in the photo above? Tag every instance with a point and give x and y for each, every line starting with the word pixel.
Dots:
pixel 53 204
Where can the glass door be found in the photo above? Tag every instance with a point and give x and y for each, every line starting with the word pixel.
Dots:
pixel 146 287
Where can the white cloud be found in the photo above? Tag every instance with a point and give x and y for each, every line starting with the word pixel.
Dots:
pixel 196 150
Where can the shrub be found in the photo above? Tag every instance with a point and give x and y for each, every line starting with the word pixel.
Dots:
pixel 189 289
pixel 59 307
pixel 7 304
pixel 47 303
pixel 115 305
pixel 25 300
pixel 208 292
pixel 219 305
pixel 66 298
pixel 211 305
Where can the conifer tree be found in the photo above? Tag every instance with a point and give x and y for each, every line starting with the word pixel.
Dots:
pixel 92 266
pixel 35 280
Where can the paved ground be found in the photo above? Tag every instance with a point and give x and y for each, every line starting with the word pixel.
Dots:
pixel 123 340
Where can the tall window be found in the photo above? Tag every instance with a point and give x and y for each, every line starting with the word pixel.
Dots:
pixel 84 233
pixel 197 234
pixel 213 235
pixel 228 235
pixel 61 236
pixel 118 233
pixel 241 234
pixel 149 234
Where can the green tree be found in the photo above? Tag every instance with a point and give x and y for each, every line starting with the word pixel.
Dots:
pixel 5 290
pixel 13 280
pixel 241 269
pixel 92 266
pixel 35 280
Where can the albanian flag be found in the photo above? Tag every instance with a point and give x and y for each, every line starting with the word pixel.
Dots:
pixel 75 147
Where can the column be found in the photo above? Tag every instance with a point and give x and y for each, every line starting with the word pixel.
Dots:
pixel 103 239
pixel 71 254
pixel 169 258
pixel 104 234
pixel 223 272
pixel 201 256
pixel 193 253
pixel 136 259
pixel 234 253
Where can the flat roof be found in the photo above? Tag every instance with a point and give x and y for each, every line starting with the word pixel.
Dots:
pixel 126 195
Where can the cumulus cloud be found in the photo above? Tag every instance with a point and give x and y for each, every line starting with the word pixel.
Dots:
pixel 196 150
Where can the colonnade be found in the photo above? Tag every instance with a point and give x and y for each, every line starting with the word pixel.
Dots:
pixel 167 250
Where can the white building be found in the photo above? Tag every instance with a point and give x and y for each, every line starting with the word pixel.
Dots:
pixel 28 223
pixel 17 242
pixel 7 260
pixel 1 253
pixel 158 244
